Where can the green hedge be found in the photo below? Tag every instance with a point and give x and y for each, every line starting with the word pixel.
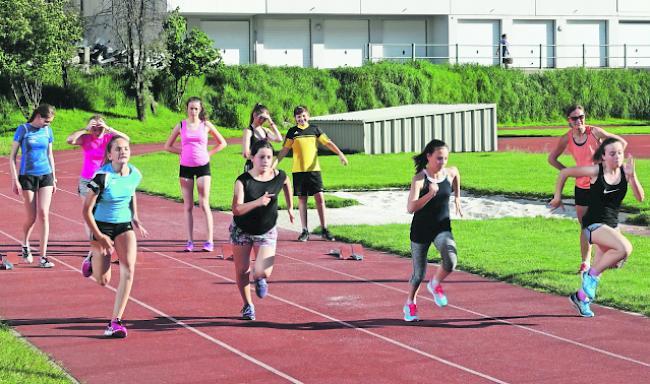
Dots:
pixel 232 91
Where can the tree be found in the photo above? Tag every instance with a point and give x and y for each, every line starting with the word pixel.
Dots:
pixel 137 25
pixel 36 37
pixel 190 54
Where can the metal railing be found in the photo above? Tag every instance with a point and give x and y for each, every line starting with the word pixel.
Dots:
pixel 522 55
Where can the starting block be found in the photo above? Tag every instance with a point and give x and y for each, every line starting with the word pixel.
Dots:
pixel 226 252
pixel 348 252
pixel 8 262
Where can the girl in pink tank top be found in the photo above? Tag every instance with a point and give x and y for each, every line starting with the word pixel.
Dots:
pixel 195 164
pixel 581 141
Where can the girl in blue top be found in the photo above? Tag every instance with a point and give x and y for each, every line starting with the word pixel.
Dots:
pixel 111 212
pixel 36 178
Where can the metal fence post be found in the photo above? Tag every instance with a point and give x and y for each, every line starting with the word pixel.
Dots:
pixel 583 55
pixel 540 56
pixel 456 53
pixel 499 54
pixel 624 55
pixel 413 51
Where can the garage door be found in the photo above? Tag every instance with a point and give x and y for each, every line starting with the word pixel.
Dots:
pixel 232 39
pixel 636 37
pixel 344 43
pixel 477 41
pixel 284 42
pixel 398 35
pixel 525 39
pixel 589 36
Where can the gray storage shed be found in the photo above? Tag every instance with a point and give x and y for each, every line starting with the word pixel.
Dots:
pixel 408 128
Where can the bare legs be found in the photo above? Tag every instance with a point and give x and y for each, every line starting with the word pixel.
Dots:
pixel 37 205
pixel 263 267
pixel 187 188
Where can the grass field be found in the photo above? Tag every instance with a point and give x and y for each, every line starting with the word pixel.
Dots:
pixel 21 363
pixel 556 132
pixel 538 253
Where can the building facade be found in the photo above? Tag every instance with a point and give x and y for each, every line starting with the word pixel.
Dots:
pixel 333 33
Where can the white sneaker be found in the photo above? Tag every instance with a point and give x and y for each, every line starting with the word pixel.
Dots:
pixel 45 263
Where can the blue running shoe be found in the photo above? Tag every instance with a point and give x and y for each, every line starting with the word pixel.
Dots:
pixel 589 285
pixel 248 312
pixel 261 288
pixel 581 306
pixel 438 294
pixel 410 312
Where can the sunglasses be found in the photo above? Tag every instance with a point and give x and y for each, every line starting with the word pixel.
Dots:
pixel 576 118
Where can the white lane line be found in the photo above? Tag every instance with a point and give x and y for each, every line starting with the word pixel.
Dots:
pixel 185 325
pixel 376 335
pixel 487 317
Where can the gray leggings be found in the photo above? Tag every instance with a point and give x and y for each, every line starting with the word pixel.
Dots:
pixel 445 244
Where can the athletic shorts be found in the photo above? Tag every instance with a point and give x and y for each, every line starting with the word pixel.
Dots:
pixel 113 230
pixel 34 183
pixel 239 237
pixel 591 228
pixel 581 196
pixel 82 188
pixel 307 183
pixel 192 172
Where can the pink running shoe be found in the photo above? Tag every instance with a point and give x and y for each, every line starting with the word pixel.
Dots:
pixel 87 266
pixel 584 267
pixel 115 329
pixel 189 247
pixel 208 246
pixel 439 296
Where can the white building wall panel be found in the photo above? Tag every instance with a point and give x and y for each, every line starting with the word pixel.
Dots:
pixel 404 7
pixel 248 7
pixel 582 43
pixel 477 41
pixel 344 43
pixel 284 42
pixel 313 6
pixel 493 7
pixel 636 37
pixel 232 39
pixel 634 7
pixel 576 7
pixel 525 37
pixel 398 35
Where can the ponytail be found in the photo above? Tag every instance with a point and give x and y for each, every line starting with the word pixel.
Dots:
pixel 257 109
pixel 421 160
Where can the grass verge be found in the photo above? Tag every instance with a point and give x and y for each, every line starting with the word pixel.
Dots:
pixel 21 363
pixel 538 253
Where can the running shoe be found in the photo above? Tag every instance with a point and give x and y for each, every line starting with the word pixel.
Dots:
pixel 6 265
pixel 589 285
pixel 581 306
pixel 27 255
pixel 189 247
pixel 411 312
pixel 45 263
pixel 584 267
pixel 261 288
pixel 326 235
pixel 438 294
pixel 208 246
pixel 248 312
pixel 87 266
pixel 304 235
pixel 115 329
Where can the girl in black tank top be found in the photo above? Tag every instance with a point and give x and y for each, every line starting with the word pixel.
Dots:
pixel 428 200
pixel 255 212
pixel 609 183
pixel 256 132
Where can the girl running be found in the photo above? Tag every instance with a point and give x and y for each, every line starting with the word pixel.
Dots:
pixel 111 211
pixel 428 200
pixel 195 163
pixel 93 140
pixel 255 212
pixel 609 182
pixel 36 179
pixel 256 132
pixel 582 141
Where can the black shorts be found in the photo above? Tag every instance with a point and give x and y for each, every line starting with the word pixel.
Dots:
pixel 307 183
pixel 192 172
pixel 581 196
pixel 113 230
pixel 34 183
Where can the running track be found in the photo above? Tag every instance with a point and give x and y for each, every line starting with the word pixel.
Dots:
pixel 325 321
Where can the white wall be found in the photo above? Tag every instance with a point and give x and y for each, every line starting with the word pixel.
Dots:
pixel 404 7
pixel 493 7
pixel 570 8
pixel 400 34
pixel 232 38
pixel 477 41
pixel 248 7
pixel 575 33
pixel 525 37
pixel 284 42
pixel 636 35
pixel 313 7
pixel 341 42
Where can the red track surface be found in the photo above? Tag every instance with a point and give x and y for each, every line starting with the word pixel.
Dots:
pixel 638 145
pixel 325 321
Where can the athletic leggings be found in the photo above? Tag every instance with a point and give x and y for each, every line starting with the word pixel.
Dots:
pixel 445 244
